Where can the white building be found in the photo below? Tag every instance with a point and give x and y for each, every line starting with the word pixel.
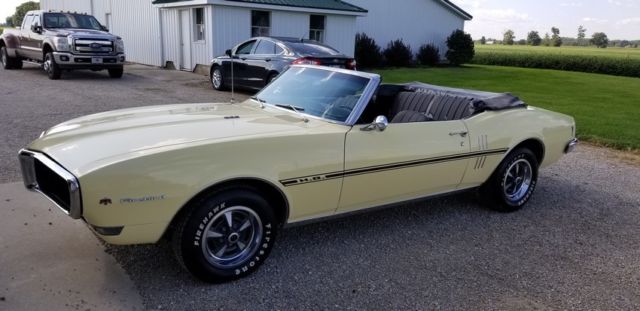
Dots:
pixel 189 33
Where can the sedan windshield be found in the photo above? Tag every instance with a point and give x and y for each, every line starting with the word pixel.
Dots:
pixel 316 92
pixel 70 20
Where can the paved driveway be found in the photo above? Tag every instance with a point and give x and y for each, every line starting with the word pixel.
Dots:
pixel 576 245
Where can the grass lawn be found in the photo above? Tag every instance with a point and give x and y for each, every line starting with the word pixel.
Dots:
pixel 606 108
pixel 630 53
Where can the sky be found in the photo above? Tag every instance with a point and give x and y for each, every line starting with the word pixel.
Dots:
pixel 619 19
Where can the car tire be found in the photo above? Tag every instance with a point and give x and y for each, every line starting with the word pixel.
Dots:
pixel 225 235
pixel 8 63
pixel 272 76
pixel 217 80
pixel 512 184
pixel 53 71
pixel 116 73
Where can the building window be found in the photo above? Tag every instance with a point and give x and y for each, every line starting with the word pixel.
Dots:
pixel 199 24
pixel 316 27
pixel 260 23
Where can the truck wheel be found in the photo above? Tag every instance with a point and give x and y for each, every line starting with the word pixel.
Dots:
pixel 225 235
pixel 50 66
pixel 512 184
pixel 116 73
pixel 9 62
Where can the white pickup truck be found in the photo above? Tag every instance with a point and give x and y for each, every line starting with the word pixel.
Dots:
pixel 62 41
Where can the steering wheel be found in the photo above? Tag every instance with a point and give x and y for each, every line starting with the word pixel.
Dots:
pixel 341 108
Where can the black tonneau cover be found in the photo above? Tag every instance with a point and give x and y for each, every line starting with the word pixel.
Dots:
pixel 480 101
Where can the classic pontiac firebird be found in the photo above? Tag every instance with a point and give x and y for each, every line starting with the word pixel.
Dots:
pixel 222 179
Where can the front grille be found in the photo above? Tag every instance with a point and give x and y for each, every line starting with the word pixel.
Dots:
pixel 93 46
pixel 44 175
pixel 52 185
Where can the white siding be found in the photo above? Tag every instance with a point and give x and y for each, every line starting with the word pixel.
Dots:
pixel 137 22
pixel 415 21
pixel 340 33
pixel 171 35
pixel 231 25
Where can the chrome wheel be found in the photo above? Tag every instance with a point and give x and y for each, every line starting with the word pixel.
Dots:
pixel 216 78
pixel 48 64
pixel 518 180
pixel 232 236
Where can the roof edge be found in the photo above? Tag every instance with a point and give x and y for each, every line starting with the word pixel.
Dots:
pixel 457 9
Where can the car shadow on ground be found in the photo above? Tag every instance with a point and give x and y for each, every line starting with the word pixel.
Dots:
pixel 449 250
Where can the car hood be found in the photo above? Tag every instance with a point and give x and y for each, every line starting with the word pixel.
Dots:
pixel 85 143
pixel 80 33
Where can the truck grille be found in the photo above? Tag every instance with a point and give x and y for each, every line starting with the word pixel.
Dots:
pixel 43 175
pixel 93 46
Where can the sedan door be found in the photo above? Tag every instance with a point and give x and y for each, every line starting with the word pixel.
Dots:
pixel 259 63
pixel 240 68
pixel 405 161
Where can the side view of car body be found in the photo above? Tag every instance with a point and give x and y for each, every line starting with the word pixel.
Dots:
pixel 222 179
pixel 259 60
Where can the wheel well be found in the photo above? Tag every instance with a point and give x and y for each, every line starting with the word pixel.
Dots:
pixel 274 196
pixel 2 43
pixel 213 67
pixel 536 146
pixel 46 49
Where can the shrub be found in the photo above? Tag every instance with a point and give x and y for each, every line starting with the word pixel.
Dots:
pixel 428 55
pixel 368 53
pixel 461 48
pixel 582 63
pixel 398 54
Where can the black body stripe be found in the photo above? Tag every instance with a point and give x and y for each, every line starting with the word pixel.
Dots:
pixel 387 167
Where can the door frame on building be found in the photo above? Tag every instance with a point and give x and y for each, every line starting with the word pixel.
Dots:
pixel 184 16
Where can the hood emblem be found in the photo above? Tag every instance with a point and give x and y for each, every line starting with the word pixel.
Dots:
pixel 105 201
pixel 232 117
pixel 95 46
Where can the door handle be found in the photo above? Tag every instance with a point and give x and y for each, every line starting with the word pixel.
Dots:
pixel 267 60
pixel 244 58
pixel 461 133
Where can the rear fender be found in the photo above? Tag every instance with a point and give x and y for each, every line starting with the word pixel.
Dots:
pixel 11 42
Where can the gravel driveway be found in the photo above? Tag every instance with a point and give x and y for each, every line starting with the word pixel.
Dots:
pixel 575 246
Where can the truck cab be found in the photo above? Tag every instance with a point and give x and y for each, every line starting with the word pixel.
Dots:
pixel 62 41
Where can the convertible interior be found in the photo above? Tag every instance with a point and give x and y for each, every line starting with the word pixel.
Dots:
pixel 417 102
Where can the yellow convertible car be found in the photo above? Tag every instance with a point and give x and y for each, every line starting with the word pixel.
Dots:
pixel 221 179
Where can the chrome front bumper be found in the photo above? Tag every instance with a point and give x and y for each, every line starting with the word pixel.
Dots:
pixel 70 60
pixel 43 175
pixel 571 146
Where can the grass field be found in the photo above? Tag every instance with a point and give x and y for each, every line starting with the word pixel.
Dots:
pixel 606 108
pixel 631 53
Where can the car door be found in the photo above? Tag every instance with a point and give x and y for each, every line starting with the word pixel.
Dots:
pixel 25 48
pixel 405 161
pixel 259 63
pixel 35 38
pixel 240 69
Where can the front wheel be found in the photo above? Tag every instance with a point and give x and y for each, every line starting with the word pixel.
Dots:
pixel 50 66
pixel 217 79
pixel 512 184
pixel 116 73
pixel 225 235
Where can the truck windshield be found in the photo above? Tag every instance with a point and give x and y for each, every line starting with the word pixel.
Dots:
pixel 70 20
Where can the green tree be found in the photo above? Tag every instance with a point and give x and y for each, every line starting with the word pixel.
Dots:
pixel 547 40
pixel 9 21
pixel 21 10
pixel 600 40
pixel 483 40
pixel 582 34
pixel 509 37
pixel 555 38
pixel 533 38
pixel 461 48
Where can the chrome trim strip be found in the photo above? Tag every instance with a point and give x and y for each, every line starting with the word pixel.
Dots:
pixel 27 164
pixel 344 214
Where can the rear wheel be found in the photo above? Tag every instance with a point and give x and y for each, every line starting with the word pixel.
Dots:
pixel 225 235
pixel 9 62
pixel 217 79
pixel 50 66
pixel 512 184
pixel 116 73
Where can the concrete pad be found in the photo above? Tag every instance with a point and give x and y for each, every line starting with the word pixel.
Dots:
pixel 49 261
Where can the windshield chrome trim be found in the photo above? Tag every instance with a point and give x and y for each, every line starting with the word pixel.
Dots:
pixel 365 98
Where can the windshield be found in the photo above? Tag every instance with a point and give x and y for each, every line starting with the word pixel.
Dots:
pixel 317 92
pixel 70 20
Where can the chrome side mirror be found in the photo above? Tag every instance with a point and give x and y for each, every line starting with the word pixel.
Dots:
pixel 380 124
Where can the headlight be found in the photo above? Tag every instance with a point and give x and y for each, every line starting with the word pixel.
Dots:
pixel 62 44
pixel 119 46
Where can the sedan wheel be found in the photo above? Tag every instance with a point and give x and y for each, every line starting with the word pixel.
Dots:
pixel 512 184
pixel 217 80
pixel 225 235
